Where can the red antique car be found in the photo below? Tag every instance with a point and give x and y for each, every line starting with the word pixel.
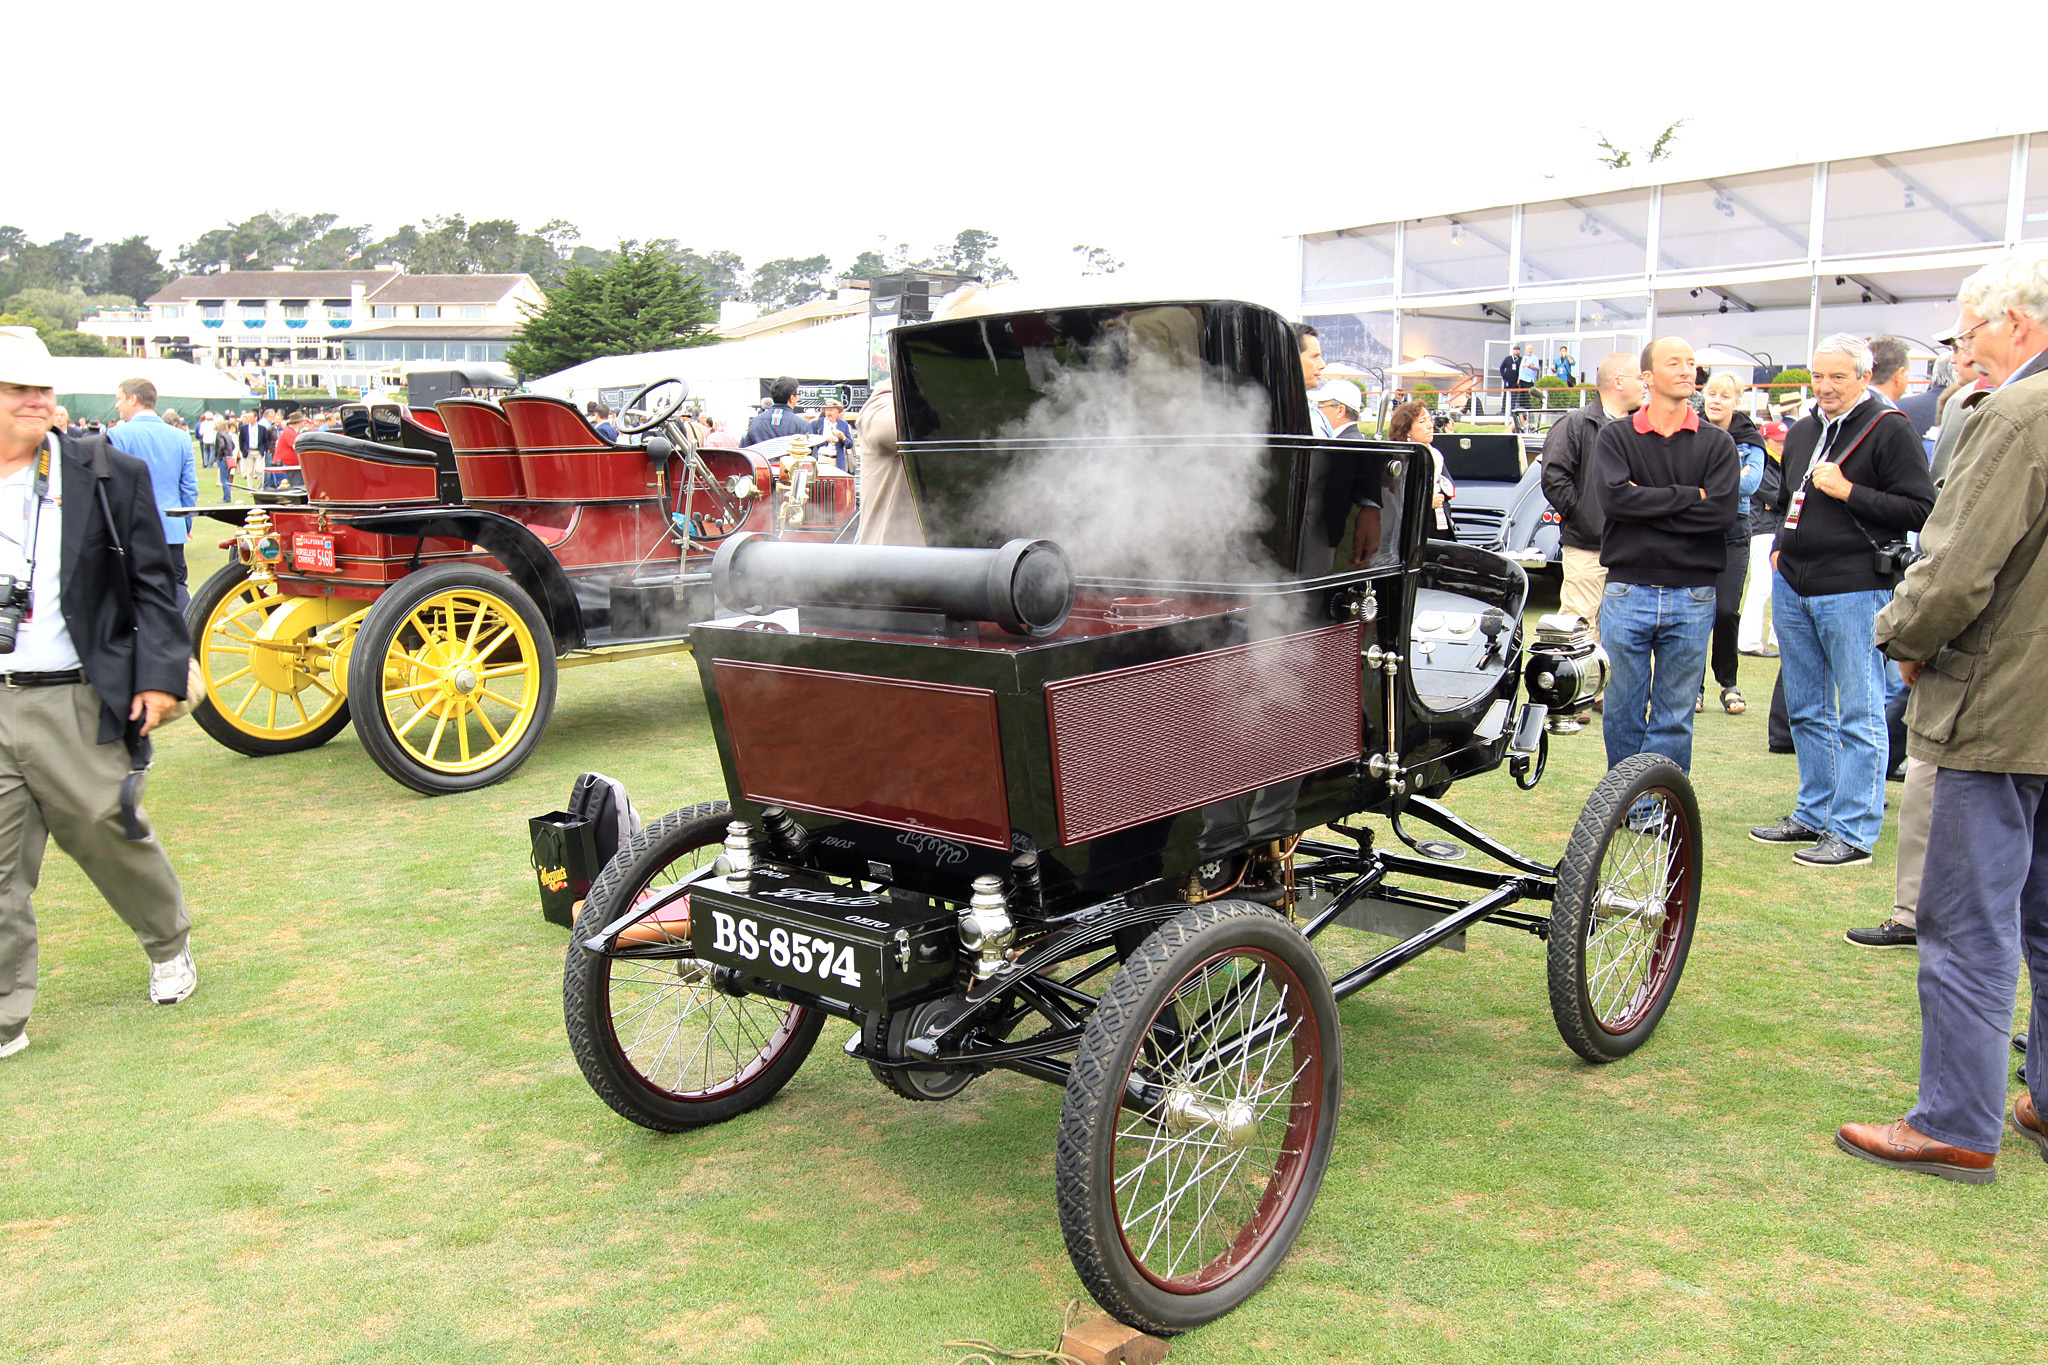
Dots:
pixel 445 562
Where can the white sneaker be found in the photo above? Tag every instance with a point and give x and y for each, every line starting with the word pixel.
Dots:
pixel 170 982
pixel 9 1049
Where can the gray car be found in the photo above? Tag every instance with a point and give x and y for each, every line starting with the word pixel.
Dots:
pixel 1499 504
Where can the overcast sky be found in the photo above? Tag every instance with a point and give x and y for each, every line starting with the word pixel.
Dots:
pixel 1189 142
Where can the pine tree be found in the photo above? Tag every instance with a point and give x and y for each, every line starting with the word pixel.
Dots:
pixel 641 302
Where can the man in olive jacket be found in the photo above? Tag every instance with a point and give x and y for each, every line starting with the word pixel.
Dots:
pixel 1969 627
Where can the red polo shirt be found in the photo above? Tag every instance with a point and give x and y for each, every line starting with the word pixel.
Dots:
pixel 1688 421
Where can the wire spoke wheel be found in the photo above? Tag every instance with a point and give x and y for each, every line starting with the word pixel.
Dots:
pixel 276 667
pixel 1198 1117
pixel 1627 900
pixel 454 675
pixel 660 1038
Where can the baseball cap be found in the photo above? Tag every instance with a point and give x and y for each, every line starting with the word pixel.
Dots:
pixel 25 360
pixel 1774 431
pixel 1338 391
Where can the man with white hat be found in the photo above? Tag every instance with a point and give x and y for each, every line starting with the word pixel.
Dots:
pixel 93 653
pixel 1339 402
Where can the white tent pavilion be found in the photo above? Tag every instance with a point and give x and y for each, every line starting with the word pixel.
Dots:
pixel 727 377
pixel 1427 367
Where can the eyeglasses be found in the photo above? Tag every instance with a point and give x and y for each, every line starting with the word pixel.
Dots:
pixel 1955 342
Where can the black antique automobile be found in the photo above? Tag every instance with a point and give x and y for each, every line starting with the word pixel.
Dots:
pixel 1060 794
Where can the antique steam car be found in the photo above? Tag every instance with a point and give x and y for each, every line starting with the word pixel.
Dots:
pixel 1072 789
pixel 445 561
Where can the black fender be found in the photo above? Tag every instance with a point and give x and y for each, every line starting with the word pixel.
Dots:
pixel 532 566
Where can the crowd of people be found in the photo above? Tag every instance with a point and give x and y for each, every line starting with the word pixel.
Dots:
pixel 1898 542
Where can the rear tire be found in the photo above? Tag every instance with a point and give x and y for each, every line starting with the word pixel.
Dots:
pixel 656 1038
pixel 1199 1117
pixel 267 692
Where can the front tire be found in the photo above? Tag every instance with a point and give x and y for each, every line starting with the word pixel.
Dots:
pixel 453 679
pixel 276 676
pixel 1628 896
pixel 1199 1117
pixel 656 1037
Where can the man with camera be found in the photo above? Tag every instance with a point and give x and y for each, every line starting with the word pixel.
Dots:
pixel 93 654
pixel 1855 482
pixel 1969 627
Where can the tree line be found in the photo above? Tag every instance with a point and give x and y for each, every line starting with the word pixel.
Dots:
pixel 601 301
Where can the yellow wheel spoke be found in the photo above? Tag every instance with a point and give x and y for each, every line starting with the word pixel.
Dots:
pixel 434 744
pixel 417 717
pixel 303 717
pixel 492 647
pixel 462 735
pixel 254 688
pixel 235 676
pixel 489 729
pixel 408 691
pixel 503 669
pixel 243 650
pixel 514 706
pixel 271 722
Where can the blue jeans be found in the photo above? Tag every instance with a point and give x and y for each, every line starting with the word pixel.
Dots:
pixel 1834 697
pixel 1983 908
pixel 1656 641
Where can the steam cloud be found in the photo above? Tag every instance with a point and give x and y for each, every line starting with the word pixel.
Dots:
pixel 1149 498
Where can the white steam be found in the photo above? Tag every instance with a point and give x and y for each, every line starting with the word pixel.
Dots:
pixel 1148 497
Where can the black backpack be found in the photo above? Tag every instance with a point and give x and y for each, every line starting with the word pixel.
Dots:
pixel 603 802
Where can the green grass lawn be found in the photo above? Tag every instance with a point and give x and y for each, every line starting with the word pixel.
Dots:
pixel 364 1139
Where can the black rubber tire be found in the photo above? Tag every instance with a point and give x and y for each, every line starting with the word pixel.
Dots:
pixel 389 645
pixel 598 991
pixel 205 633
pixel 1610 866
pixel 1105 1142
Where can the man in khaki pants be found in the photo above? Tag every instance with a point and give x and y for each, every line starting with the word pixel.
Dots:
pixel 93 653
pixel 1568 483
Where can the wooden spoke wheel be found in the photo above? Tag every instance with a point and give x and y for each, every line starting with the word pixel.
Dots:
pixel 1199 1117
pixel 276 667
pixel 1628 896
pixel 658 1036
pixel 453 676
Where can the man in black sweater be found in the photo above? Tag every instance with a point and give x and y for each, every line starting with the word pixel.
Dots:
pixel 1855 479
pixel 1667 496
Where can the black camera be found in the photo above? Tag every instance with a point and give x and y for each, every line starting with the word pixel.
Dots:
pixel 14 601
pixel 1892 561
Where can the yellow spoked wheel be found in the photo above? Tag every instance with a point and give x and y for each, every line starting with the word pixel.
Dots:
pixel 453 672
pixel 276 667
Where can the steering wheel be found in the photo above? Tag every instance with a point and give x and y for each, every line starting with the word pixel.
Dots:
pixel 652 406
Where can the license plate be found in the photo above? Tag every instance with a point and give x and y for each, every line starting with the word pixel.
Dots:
pixel 789 954
pixel 313 554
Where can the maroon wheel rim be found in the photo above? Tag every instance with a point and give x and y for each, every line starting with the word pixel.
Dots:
pixel 1643 878
pixel 1199 1187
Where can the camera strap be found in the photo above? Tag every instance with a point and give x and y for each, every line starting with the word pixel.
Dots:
pixel 32 516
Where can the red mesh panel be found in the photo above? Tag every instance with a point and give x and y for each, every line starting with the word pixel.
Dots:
pixel 917 756
pixel 1139 743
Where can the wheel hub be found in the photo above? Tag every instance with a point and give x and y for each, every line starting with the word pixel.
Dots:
pixel 1642 909
pixel 1234 1121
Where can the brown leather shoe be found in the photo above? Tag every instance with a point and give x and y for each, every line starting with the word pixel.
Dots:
pixel 2028 1121
pixel 1901 1148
